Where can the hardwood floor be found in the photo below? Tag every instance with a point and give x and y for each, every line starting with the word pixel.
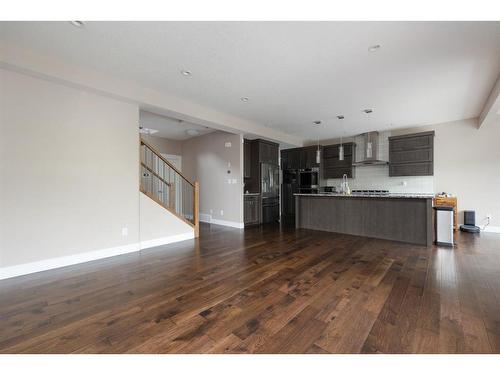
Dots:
pixel 264 290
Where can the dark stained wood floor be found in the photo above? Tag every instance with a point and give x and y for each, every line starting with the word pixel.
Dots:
pixel 264 290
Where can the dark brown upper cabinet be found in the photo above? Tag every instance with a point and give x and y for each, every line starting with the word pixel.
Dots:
pixel 290 159
pixel 333 167
pixel 268 151
pixel 411 155
pixel 308 157
pixel 300 158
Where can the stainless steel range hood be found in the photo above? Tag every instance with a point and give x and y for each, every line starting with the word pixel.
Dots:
pixel 370 147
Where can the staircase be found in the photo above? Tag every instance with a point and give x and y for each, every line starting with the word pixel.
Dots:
pixel 164 184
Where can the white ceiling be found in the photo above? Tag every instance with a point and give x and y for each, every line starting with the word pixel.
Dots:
pixel 293 72
pixel 170 128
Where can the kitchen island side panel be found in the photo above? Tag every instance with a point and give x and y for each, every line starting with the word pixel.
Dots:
pixel 399 219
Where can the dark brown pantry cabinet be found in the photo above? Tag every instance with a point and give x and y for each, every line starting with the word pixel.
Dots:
pixel 411 154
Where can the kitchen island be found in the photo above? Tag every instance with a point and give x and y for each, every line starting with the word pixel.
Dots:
pixel 405 217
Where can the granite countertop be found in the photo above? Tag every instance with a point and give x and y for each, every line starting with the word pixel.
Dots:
pixel 391 195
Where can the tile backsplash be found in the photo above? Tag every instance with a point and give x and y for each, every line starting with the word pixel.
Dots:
pixel 377 176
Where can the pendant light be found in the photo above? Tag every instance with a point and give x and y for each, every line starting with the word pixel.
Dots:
pixel 318 151
pixel 318 154
pixel 341 150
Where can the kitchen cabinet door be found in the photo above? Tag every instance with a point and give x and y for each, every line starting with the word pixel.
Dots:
pixel 411 155
pixel 268 152
pixel 251 210
pixel 411 169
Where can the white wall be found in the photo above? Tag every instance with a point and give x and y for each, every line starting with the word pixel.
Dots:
pixel 68 170
pixel 69 178
pixel 164 145
pixel 205 159
pixel 159 226
pixel 467 164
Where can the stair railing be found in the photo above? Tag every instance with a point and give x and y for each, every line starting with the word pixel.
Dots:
pixel 168 187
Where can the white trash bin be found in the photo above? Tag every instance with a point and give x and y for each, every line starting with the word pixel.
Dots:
pixel 444 225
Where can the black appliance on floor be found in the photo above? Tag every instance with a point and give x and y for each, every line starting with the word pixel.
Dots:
pixel 303 181
pixel 469 224
pixel 289 187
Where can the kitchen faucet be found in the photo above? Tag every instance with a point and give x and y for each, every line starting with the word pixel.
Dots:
pixel 344 188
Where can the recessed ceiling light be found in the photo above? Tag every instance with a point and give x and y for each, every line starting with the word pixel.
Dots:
pixel 374 48
pixel 368 110
pixel 245 99
pixel 317 122
pixel 79 24
pixel 193 132
pixel 186 73
pixel 340 117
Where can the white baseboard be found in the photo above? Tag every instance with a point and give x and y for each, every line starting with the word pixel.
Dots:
pixel 490 229
pixel 48 264
pixel 207 218
pixel 167 240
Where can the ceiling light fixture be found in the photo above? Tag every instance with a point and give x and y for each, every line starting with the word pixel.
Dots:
pixel 368 110
pixel 244 99
pixel 186 73
pixel 143 130
pixel 374 48
pixel 79 24
pixel 340 117
pixel 192 132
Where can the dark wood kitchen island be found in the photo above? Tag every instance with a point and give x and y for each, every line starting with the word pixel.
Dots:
pixel 405 218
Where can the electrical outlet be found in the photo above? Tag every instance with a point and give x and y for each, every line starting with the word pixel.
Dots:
pixel 124 232
pixel 221 212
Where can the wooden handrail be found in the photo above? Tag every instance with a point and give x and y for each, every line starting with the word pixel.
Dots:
pixel 158 154
pixel 156 174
